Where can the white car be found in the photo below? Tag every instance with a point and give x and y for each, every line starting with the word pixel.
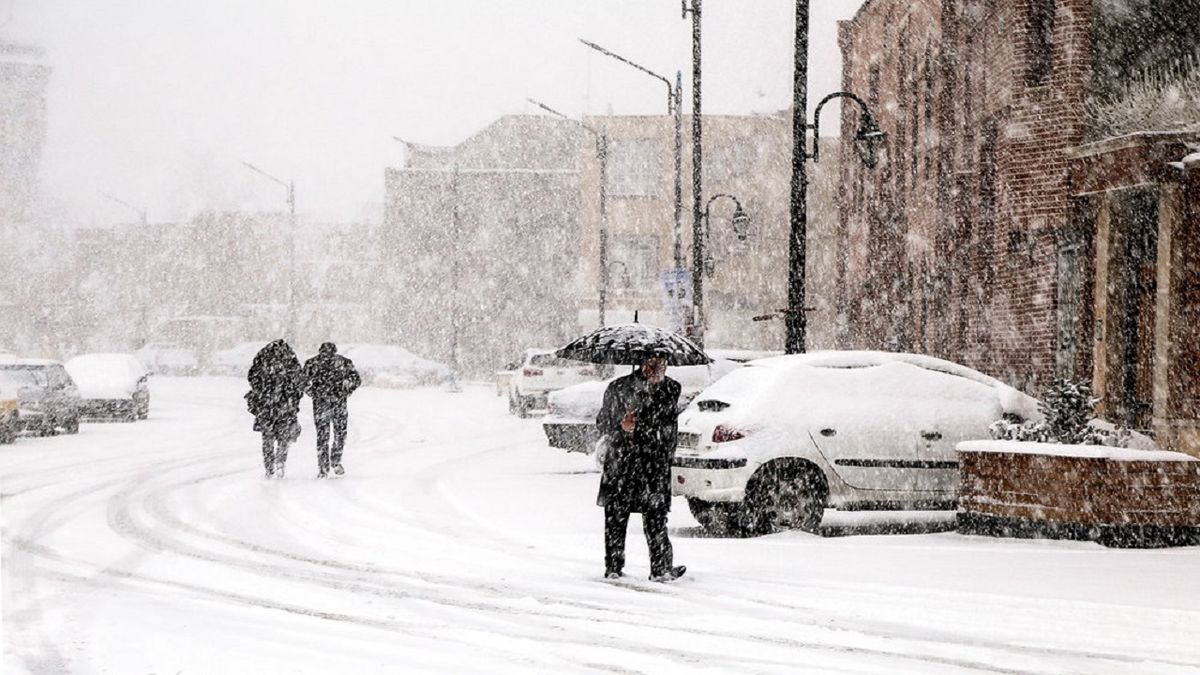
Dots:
pixel 236 360
pixel 541 373
pixel 571 422
pixel 168 358
pixel 393 366
pixel 770 446
pixel 111 385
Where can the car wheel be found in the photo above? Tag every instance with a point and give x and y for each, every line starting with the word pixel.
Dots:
pixel 784 496
pixel 71 426
pixel 130 415
pixel 522 406
pixel 715 517
pixel 8 435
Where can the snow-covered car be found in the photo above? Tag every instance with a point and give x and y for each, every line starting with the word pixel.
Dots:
pixel 168 358
pixel 541 373
pixel 236 360
pixel 393 366
pixel 10 405
pixel 48 398
pixel 112 386
pixel 571 421
pixel 773 444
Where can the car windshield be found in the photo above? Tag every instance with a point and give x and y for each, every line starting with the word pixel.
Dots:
pixel 552 361
pixel 25 376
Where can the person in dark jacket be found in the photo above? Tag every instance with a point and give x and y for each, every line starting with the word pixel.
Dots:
pixel 276 386
pixel 331 379
pixel 639 422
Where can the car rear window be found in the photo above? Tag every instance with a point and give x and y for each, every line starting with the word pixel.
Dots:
pixel 552 361
pixel 24 376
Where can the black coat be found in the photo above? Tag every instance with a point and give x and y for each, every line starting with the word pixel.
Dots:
pixel 637 467
pixel 276 386
pixel 331 378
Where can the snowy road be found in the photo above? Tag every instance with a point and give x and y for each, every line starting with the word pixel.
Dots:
pixel 459 543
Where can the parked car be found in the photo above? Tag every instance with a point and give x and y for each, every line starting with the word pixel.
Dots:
pixel 542 372
pixel 770 446
pixel 571 421
pixel 10 415
pixel 49 400
pixel 393 366
pixel 112 386
pixel 169 358
pixel 504 377
pixel 236 360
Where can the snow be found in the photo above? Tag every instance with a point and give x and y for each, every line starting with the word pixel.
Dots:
pixel 393 366
pixel 1083 451
pixel 458 543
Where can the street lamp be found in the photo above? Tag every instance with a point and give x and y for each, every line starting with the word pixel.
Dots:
pixel 143 294
pixel 740 223
pixel 602 155
pixel 675 108
pixel 868 140
pixel 290 186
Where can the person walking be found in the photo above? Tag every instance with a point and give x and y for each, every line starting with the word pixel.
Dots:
pixel 276 386
pixel 639 422
pixel 331 379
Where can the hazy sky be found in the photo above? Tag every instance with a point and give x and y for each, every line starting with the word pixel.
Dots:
pixel 158 102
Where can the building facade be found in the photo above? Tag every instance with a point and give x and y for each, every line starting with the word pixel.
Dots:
pixel 1031 217
pixel 480 246
pixel 747 157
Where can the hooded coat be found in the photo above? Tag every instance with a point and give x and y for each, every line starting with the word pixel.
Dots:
pixel 636 471
pixel 276 386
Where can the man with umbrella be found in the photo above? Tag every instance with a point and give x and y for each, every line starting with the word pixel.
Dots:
pixel 639 422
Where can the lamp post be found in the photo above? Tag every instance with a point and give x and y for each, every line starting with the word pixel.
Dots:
pixel 867 140
pixel 290 186
pixel 602 155
pixel 739 221
pixel 674 108
pixel 143 296
pixel 697 161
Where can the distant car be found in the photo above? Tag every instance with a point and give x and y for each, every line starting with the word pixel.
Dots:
pixel 504 377
pixel 393 366
pixel 236 360
pixel 112 386
pixel 770 446
pixel 169 358
pixel 49 400
pixel 571 422
pixel 540 373
pixel 10 405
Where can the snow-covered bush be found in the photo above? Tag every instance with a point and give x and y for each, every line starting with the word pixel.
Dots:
pixel 1161 99
pixel 1067 410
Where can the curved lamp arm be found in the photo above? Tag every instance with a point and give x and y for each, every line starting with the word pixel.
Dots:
pixel 868 131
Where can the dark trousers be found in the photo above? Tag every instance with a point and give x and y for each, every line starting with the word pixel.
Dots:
pixel 275 451
pixel 654 523
pixel 327 415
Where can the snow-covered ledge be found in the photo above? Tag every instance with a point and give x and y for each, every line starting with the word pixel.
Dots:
pixel 1119 496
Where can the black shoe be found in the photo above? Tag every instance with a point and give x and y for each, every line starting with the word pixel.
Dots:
pixel 670 575
pixel 322 474
pixel 613 574
pixel 338 470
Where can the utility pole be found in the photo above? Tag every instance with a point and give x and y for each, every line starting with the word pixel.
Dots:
pixel 795 320
pixel 290 186
pixel 697 162
pixel 455 272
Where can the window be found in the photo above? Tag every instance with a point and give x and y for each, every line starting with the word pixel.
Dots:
pixel 632 168
pixel 1039 38
pixel 633 263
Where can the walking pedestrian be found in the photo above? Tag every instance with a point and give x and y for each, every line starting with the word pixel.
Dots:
pixel 276 386
pixel 331 379
pixel 639 422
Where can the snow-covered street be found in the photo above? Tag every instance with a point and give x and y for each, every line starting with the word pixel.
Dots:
pixel 459 542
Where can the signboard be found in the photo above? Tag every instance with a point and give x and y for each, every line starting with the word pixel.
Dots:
pixel 677 298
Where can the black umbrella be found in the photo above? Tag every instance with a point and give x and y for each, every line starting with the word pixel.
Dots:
pixel 631 344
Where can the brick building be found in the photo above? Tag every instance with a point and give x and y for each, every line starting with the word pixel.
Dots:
pixel 1032 216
